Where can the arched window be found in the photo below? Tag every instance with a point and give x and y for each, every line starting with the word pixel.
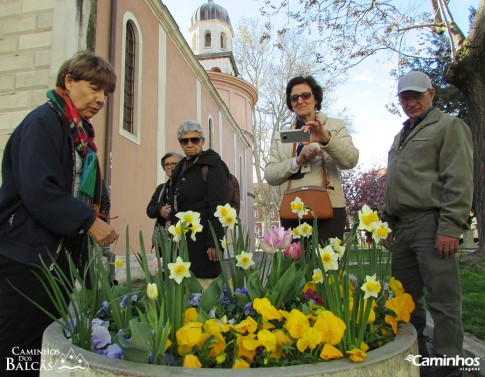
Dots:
pixel 208 39
pixel 129 79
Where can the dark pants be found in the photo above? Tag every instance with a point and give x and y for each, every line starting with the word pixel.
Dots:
pixel 21 322
pixel 415 262
pixel 327 228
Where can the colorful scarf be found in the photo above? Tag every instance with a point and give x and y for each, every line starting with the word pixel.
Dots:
pixel 82 133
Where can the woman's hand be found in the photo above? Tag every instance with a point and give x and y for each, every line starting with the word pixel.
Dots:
pixel 165 210
pixel 308 153
pixel 211 253
pixel 317 131
pixel 103 233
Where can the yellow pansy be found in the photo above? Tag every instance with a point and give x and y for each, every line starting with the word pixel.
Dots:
pixel 296 323
pixel 330 352
pixel 268 312
pixel 192 361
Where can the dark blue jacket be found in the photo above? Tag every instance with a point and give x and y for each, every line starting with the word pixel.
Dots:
pixel 37 207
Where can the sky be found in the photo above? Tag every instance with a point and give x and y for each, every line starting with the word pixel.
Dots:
pixel 366 91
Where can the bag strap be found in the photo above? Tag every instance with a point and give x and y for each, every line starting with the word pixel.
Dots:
pixel 324 169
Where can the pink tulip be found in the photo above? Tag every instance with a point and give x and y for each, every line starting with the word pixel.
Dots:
pixel 293 251
pixel 155 264
pixel 276 239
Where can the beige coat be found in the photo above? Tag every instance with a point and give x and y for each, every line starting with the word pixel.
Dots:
pixel 340 153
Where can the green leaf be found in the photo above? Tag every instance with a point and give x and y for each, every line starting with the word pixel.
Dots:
pixel 138 350
pixel 212 294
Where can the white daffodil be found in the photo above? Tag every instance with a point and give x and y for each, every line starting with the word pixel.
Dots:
pixel 195 227
pixel 381 232
pixel 367 219
pixel 176 231
pixel 244 260
pixel 329 258
pixel 229 221
pixel 224 244
pixel 317 276
pixel 305 230
pixel 189 217
pixel 225 210
pixel 298 207
pixel 336 244
pixel 371 287
pixel 179 270
pixel 295 234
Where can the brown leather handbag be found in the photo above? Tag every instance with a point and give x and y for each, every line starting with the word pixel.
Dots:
pixel 314 197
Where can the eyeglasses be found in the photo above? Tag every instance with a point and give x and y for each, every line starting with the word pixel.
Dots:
pixel 410 96
pixel 170 164
pixel 304 96
pixel 193 140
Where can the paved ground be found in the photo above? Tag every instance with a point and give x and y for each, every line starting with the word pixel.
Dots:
pixel 472 347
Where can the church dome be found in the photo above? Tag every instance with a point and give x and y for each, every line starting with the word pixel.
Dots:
pixel 210 11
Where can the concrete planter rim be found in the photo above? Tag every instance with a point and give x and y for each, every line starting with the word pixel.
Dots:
pixel 405 341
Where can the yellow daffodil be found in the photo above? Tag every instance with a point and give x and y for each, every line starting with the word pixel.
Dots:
pixel 152 291
pixel 356 355
pixel 298 207
pixel 330 326
pixel 367 218
pixel 329 352
pixel 296 324
pixel 396 286
pixel 192 361
pixel 329 258
pixel 317 276
pixel 179 270
pixel 371 287
pixel 264 307
pixel 245 260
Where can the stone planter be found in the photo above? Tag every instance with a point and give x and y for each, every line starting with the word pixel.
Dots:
pixel 61 356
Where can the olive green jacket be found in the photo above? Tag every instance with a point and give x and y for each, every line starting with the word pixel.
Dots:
pixel 432 172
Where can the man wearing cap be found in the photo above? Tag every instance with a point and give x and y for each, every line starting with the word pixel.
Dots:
pixel 427 202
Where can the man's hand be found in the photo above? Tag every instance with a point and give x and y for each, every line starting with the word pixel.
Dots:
pixel 103 233
pixel 446 246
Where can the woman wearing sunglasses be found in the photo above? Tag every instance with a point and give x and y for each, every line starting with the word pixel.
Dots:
pixel 302 162
pixel 191 190
pixel 159 207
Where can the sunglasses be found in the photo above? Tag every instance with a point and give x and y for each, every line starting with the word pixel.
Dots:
pixel 193 140
pixel 170 164
pixel 304 96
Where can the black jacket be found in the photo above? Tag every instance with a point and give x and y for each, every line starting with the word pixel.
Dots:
pixel 157 202
pixel 37 207
pixel 190 192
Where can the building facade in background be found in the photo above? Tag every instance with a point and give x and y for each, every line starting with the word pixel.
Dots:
pixel 160 84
